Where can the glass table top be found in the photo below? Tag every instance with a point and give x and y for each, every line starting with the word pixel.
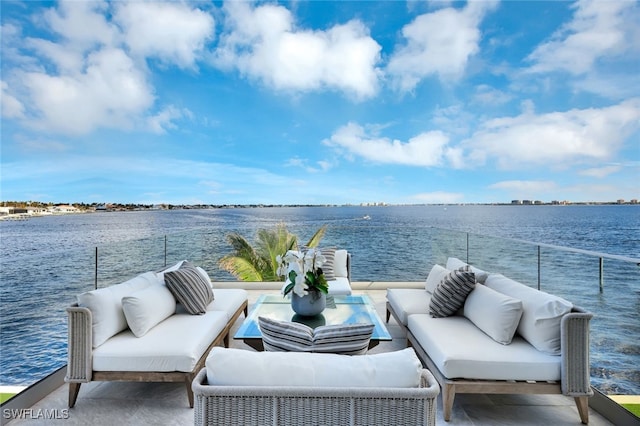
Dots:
pixel 352 309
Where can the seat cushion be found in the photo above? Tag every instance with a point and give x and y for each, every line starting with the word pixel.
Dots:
pixel 407 301
pixel 461 350
pixel 176 344
pixel 340 287
pixel 228 300
pixel 237 367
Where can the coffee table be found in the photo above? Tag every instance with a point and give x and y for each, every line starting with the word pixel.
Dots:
pixel 340 310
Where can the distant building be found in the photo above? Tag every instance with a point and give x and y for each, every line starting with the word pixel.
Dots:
pixel 621 201
pixel 516 202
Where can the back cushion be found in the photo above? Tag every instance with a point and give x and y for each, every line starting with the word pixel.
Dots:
pixel 541 315
pixel 455 263
pixel 106 306
pixel 497 314
pixel 340 264
pixel 238 367
pixel 434 278
pixel 146 308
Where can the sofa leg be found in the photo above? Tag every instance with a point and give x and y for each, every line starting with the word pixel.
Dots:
pixel 448 395
pixel 582 402
pixel 74 389
pixel 189 393
pixel 388 315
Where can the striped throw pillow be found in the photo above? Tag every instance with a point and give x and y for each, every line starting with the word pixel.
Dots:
pixel 327 267
pixel 284 336
pixel 189 289
pixel 347 339
pixel 450 294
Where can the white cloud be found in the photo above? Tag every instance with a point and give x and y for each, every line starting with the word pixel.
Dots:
pixel 487 95
pixel 85 77
pixel 110 92
pixel 10 106
pixel 438 43
pixel 264 43
pixel 601 172
pixel 554 139
pixel 172 32
pixel 524 186
pixel 438 197
pixel 426 149
pixel 598 29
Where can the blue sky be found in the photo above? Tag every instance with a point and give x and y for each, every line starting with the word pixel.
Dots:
pixel 320 102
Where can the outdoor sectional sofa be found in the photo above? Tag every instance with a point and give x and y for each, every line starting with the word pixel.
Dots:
pixel 140 331
pixel 240 387
pixel 506 338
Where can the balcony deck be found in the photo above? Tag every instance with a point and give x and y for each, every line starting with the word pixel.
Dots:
pixel 122 403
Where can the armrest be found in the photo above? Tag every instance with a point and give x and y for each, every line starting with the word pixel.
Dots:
pixel 80 345
pixel 574 338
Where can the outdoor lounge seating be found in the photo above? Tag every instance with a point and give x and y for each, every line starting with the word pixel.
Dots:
pixel 506 338
pixel 136 331
pixel 301 388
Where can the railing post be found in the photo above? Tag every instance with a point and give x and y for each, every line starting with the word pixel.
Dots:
pixel 95 274
pixel 538 267
pixel 165 251
pixel 601 274
pixel 467 248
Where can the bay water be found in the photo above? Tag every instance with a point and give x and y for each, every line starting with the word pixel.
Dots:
pixel 46 261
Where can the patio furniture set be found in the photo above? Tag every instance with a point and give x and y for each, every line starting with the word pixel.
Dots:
pixel 168 326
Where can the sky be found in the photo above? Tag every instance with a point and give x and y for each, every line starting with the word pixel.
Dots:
pixel 320 102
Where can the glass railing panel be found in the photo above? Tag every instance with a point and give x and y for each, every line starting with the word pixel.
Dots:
pixel 120 261
pixel 34 294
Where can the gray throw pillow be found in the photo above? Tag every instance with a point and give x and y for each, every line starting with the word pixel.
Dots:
pixel 189 289
pixel 450 294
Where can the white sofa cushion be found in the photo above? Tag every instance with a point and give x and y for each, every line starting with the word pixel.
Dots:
pixel 471 354
pixel 450 294
pixel 340 287
pixel 541 316
pixel 237 367
pixel 146 308
pixel 435 277
pixel 105 305
pixel 340 264
pixel 176 344
pixel 495 313
pixel 407 301
pixel 455 263
pixel 228 300
pixel 190 289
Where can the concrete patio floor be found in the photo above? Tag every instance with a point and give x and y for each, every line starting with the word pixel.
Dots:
pixel 123 403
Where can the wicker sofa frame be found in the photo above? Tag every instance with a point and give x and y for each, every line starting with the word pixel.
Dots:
pixel 575 381
pixel 80 359
pixel 298 406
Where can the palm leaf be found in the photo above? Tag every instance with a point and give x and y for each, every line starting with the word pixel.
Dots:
pixel 315 239
pixel 241 268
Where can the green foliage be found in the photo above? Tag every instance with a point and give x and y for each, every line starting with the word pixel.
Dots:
pixel 258 263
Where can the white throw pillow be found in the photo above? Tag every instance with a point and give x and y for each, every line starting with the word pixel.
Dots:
pixel 541 316
pixel 340 264
pixel 435 277
pixel 455 263
pixel 497 314
pixel 105 305
pixel 146 308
